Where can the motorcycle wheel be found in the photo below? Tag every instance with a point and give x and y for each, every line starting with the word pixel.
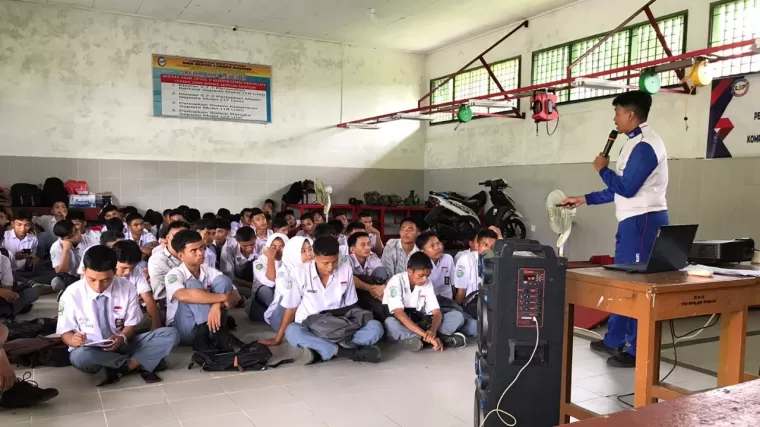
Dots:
pixel 514 228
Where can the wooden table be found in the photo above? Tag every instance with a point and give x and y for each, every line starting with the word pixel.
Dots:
pixel 734 406
pixel 653 298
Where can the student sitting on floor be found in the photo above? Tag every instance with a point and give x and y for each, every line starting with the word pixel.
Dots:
pixel 374 235
pixel 67 253
pixel 370 275
pixel 207 229
pixel 280 225
pixel 319 218
pixel 22 249
pixel 264 275
pixel 223 236
pixel 104 307
pixel 441 279
pixel 199 297
pixel 178 215
pixel 47 222
pixel 290 217
pixel 116 224
pixel 192 216
pixel 128 257
pixel 472 241
pixel 153 220
pixel 297 253
pixel 237 260
pixel 223 213
pixel 13 300
pixel 354 227
pixel 245 220
pixel 160 263
pixel 328 230
pixel 466 279
pixel 397 251
pixel 339 228
pixel 269 206
pixel 137 232
pixel 18 392
pixel 416 315
pixel 261 228
pixel 326 286
pixel 307 226
pixel 341 216
pixel 77 217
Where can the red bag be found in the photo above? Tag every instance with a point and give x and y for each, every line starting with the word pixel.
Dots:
pixel 76 187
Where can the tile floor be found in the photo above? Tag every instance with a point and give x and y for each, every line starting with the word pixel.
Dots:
pixel 338 393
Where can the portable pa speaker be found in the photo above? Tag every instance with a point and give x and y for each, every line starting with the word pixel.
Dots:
pixel 521 281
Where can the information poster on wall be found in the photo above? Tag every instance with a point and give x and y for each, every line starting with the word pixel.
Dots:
pixel 734 129
pixel 192 88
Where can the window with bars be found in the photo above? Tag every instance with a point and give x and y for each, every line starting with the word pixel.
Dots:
pixel 731 22
pixel 631 45
pixel 476 82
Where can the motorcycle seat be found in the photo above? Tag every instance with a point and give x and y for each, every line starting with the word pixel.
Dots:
pixel 476 202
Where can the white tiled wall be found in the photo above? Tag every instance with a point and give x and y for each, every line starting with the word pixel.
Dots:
pixel 205 186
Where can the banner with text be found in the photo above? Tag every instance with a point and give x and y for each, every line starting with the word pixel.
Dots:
pixel 191 88
pixel 734 129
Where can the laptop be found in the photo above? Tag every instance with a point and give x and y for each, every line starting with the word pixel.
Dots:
pixel 670 251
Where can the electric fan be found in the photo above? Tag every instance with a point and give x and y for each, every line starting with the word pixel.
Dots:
pixel 323 195
pixel 560 218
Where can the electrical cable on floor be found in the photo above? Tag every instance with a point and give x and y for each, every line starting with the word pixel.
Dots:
pixel 499 411
pixel 699 330
pixel 596 334
pixel 675 363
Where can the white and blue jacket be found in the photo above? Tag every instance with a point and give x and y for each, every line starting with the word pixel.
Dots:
pixel 641 180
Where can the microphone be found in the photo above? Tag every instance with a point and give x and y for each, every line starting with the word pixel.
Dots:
pixel 610 140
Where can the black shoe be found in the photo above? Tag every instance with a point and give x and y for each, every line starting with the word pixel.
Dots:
pixel 370 354
pixel 600 347
pixel 26 309
pixel 622 360
pixel 453 341
pixel 113 376
pixel 26 393
pixel 310 357
pixel 231 323
pixel 412 344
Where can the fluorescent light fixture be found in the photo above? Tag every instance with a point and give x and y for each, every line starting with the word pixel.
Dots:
pixel 361 126
pixel 490 103
pixel 684 63
pixel 412 116
pixel 598 83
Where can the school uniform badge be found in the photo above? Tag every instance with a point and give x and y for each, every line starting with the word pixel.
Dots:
pixel 393 292
pixel 460 273
pixel 259 267
pixel 171 279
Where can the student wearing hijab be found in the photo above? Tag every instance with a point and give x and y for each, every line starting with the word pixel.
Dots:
pixel 295 255
pixel 264 274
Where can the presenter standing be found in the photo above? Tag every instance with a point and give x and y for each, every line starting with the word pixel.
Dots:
pixel 638 189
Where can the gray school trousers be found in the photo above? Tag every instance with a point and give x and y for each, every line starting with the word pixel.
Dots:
pixel 147 349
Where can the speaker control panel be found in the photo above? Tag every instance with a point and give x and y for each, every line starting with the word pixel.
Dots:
pixel 531 285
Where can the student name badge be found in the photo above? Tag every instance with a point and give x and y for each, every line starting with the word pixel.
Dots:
pixel 344 283
pixel 447 280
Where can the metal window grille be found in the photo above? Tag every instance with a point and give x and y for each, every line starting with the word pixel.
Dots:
pixel 731 22
pixel 629 46
pixel 475 82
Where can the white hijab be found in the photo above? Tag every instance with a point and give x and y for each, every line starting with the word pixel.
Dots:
pixel 291 255
pixel 272 237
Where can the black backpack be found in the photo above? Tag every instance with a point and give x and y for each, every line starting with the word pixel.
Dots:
pixel 26 196
pixel 33 352
pixel 54 191
pixel 470 304
pixel 31 328
pixel 294 194
pixel 251 357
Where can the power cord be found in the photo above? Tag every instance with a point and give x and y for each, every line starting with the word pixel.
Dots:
pixel 499 411
pixel 698 331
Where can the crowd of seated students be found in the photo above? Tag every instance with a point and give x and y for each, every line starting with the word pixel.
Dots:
pixel 133 289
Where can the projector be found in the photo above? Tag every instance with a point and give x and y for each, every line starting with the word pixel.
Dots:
pixel 715 252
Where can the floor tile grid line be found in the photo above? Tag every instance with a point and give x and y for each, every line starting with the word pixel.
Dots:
pixel 174 411
pixel 102 407
pixel 380 412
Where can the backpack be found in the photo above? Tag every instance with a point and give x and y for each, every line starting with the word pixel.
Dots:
pixel 31 328
pixel 26 195
pixel 251 357
pixel 33 352
pixel 54 191
pixel 470 304
pixel 294 194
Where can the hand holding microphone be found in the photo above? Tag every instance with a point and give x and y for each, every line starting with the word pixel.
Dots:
pixel 603 159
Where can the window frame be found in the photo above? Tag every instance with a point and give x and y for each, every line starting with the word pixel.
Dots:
pixel 569 46
pixel 710 28
pixel 491 65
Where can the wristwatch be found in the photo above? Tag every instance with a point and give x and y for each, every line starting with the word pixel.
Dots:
pixel 124 337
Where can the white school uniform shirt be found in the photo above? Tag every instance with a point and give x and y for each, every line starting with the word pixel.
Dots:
pixel 209 256
pixel 156 249
pixel 13 244
pixel 459 255
pixel 440 277
pixel 6 272
pixel 145 239
pixel 137 278
pixel 232 261
pixel 234 227
pixel 260 272
pixel 310 296
pixel 176 279
pixel 302 233
pixel 466 275
pixel 124 230
pixel 399 294
pixel 159 265
pixel 76 254
pixel 261 242
pixel 47 222
pixel 370 264
pixel 76 310
pixel 282 283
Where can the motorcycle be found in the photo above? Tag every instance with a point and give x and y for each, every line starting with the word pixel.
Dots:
pixel 454 216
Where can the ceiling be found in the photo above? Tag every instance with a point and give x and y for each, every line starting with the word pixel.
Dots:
pixel 409 25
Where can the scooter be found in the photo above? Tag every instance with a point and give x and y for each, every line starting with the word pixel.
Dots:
pixel 453 216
